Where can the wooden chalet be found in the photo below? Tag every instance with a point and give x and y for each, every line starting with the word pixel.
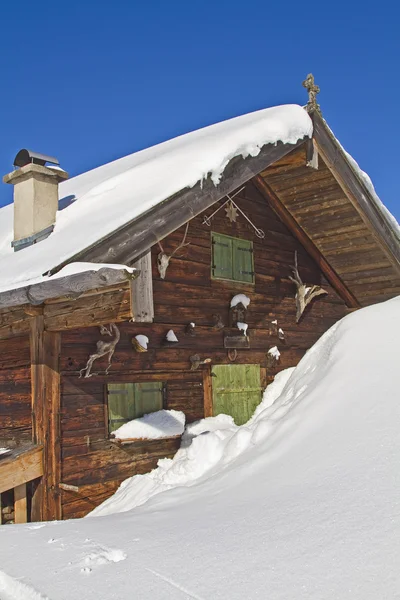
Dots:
pixel 281 227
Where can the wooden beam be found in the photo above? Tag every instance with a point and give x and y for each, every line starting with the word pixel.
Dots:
pixel 13 322
pixel 207 391
pixel 45 386
pixel 134 239
pixel 20 469
pixel 107 306
pixel 20 504
pixel 303 238
pixel 142 291
pixel 356 190
pixel 70 285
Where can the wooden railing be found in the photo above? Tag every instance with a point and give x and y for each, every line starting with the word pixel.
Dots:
pixel 24 465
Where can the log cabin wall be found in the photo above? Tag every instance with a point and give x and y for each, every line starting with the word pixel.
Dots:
pixel 188 294
pixel 15 390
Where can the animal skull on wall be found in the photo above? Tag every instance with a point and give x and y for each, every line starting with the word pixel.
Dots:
pixel 163 258
pixel 304 294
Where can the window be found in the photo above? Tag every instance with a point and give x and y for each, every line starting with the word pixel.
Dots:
pixel 232 258
pixel 127 401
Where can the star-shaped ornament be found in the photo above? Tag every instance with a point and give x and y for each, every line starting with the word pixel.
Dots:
pixel 231 212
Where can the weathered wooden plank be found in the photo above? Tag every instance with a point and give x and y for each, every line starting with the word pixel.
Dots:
pixel 20 469
pixel 18 328
pixel 327 270
pixel 45 352
pixel 142 291
pixel 77 505
pixel 207 387
pixel 106 307
pixel 356 191
pixel 56 287
pixel 20 504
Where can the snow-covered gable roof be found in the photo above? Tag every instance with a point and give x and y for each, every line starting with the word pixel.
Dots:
pixel 101 201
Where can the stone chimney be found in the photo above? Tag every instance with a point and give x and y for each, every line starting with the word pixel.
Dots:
pixel 35 197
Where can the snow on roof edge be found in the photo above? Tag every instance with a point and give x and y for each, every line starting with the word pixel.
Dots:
pixel 366 181
pixel 106 198
pixel 98 275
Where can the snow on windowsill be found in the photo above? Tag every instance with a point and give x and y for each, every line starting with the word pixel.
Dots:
pixel 153 426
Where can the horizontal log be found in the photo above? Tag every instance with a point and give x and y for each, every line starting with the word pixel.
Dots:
pixel 110 472
pixel 24 466
pixel 79 505
pixel 56 287
pixel 107 307
pixel 16 329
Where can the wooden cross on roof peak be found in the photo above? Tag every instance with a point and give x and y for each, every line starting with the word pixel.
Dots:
pixel 313 90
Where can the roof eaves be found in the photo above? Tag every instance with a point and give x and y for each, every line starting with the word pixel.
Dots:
pixel 356 190
pixel 68 286
pixel 129 242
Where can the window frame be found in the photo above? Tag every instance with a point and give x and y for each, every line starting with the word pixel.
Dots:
pixel 108 427
pixel 235 242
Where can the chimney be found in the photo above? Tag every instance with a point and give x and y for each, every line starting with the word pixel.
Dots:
pixel 35 197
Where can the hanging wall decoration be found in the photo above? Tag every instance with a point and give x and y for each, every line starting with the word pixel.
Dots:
pixel 232 211
pixel 304 294
pixel 163 258
pixel 190 329
pixel 196 361
pixel 103 348
pixel 218 322
pixel 140 342
pixel 238 309
pixel 170 338
pixel 273 357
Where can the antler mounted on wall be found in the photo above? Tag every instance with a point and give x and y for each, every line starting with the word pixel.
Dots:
pixel 102 349
pixel 304 294
pixel 164 258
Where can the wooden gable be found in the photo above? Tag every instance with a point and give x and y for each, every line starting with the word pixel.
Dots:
pixel 328 217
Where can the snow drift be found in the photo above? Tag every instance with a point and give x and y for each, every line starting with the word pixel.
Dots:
pixel 302 502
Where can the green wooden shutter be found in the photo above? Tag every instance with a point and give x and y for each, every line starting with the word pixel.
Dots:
pixel 148 397
pixel 127 401
pixel 236 391
pixel 121 404
pixel 221 256
pixel 243 264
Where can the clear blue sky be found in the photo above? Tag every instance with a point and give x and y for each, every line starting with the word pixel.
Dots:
pixel 89 82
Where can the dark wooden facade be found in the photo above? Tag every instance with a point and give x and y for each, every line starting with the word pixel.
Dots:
pixel 188 294
pixel 301 210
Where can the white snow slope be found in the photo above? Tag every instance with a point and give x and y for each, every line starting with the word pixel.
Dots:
pixel 309 509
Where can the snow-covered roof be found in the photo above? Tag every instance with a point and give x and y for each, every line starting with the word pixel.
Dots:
pixel 101 201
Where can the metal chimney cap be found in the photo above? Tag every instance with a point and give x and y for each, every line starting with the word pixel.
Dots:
pixel 25 157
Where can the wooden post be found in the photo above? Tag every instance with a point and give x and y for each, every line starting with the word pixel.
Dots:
pixel 207 391
pixel 45 389
pixel 263 378
pixel 142 291
pixel 20 504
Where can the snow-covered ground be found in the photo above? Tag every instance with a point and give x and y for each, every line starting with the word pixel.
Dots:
pixel 301 503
